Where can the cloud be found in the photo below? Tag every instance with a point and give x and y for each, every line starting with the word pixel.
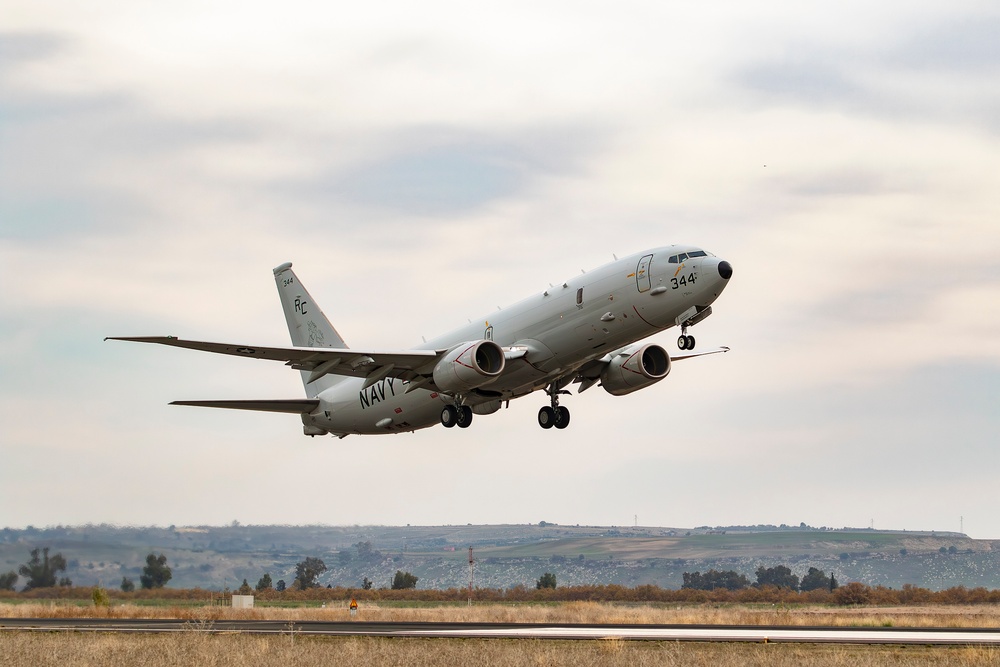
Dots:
pixel 434 171
pixel 19 47
pixel 962 45
pixel 928 70
pixel 802 78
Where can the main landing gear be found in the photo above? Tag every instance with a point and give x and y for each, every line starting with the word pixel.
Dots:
pixel 554 415
pixel 684 341
pixel 460 415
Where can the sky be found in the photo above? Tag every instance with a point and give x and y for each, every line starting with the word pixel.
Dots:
pixel 422 164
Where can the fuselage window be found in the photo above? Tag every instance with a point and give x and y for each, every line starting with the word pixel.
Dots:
pixel 672 260
pixel 579 297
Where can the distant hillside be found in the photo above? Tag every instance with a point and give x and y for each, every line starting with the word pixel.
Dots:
pixel 216 557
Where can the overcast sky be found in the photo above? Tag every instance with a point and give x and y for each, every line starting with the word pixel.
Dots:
pixel 424 163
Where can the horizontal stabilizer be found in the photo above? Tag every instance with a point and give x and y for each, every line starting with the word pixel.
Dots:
pixel 295 405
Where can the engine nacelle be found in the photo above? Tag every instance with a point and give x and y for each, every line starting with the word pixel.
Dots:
pixel 468 366
pixel 634 368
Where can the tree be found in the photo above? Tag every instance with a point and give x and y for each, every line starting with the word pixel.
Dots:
pixel 814 580
pixel 244 589
pixel 127 585
pixel 779 576
pixel 100 597
pixel 730 580
pixel 366 584
pixel 264 582
pixel 280 586
pixel 308 571
pixel 547 580
pixel 156 573
pixel 8 580
pixel 403 580
pixel 41 572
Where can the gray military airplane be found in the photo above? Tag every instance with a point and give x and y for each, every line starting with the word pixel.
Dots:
pixel 585 330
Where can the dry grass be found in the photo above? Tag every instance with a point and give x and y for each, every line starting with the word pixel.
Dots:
pixel 570 612
pixel 84 649
pixel 191 648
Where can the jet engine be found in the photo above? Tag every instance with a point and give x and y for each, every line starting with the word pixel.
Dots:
pixel 468 366
pixel 635 367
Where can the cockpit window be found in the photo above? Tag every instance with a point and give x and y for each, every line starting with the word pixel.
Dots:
pixel 674 259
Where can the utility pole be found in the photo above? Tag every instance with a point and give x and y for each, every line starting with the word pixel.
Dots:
pixel 472 574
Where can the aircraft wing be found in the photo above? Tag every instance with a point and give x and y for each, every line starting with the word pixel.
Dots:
pixel 700 353
pixel 319 361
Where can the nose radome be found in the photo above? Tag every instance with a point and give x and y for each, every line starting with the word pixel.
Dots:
pixel 725 270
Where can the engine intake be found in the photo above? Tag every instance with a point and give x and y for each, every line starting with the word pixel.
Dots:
pixel 634 368
pixel 468 366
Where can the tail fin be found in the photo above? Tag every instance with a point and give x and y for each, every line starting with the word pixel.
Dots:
pixel 307 324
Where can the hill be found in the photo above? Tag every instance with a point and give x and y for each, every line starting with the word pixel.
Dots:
pixel 216 557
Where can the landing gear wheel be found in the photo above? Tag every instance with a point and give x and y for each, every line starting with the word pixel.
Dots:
pixel 464 416
pixel 546 417
pixel 682 342
pixel 690 343
pixel 449 416
pixel 562 417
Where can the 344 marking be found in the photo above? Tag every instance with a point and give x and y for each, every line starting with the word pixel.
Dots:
pixel 683 281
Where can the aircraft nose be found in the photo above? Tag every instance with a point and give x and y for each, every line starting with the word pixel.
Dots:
pixel 725 270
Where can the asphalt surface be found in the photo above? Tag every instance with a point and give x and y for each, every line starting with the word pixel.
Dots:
pixel 704 633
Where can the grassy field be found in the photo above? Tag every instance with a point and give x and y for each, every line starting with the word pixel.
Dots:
pixel 84 650
pixel 189 648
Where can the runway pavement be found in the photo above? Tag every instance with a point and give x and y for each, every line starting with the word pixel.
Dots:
pixel 702 633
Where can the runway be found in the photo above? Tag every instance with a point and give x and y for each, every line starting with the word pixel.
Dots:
pixel 686 633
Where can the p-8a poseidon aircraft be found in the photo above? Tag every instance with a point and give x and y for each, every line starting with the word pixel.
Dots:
pixel 585 330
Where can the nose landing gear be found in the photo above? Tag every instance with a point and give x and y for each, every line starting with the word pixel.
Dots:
pixel 684 341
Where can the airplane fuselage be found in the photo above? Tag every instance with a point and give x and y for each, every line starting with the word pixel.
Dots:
pixel 552 335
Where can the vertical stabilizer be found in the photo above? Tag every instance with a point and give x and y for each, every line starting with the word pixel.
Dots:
pixel 307 325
